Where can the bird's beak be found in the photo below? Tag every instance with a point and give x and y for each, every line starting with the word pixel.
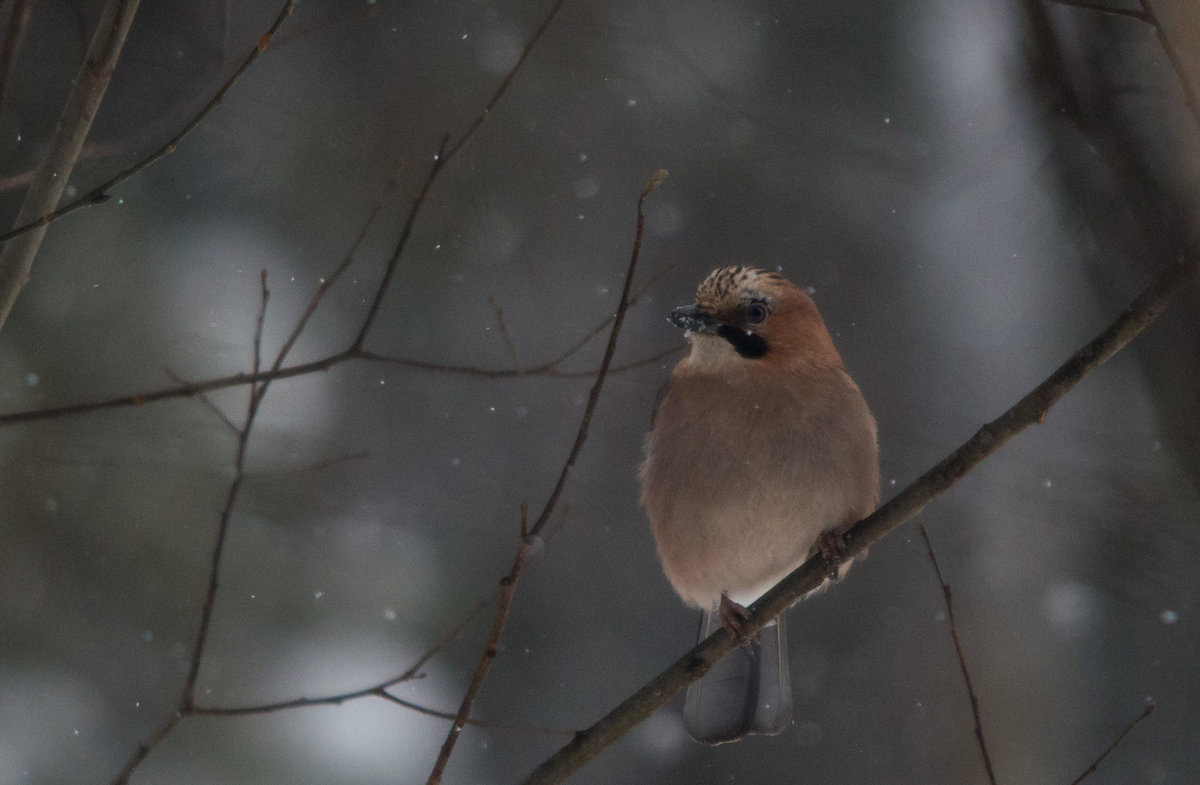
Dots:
pixel 692 319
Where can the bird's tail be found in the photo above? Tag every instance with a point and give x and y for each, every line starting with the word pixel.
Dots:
pixel 748 692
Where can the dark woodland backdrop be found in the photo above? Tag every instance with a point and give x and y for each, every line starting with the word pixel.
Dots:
pixel 971 189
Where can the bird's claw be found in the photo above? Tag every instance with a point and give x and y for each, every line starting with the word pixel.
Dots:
pixel 833 551
pixel 732 616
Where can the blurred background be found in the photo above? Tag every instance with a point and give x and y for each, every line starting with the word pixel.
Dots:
pixel 972 190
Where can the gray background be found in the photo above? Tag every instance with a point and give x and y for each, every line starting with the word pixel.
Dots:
pixel 972 190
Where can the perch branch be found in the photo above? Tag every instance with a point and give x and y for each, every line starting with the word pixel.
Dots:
pixel 1029 410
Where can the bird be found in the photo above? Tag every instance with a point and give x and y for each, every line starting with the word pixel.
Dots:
pixel 761 452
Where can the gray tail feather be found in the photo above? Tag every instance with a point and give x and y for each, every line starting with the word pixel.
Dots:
pixel 748 692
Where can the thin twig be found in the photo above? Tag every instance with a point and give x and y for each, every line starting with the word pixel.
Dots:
pixel 548 369
pixel 208 402
pixel 143 750
pixel 1031 409
pixel 445 153
pixel 508 591
pixel 295 703
pixel 1190 98
pixel 587 337
pixel 1146 712
pixel 481 724
pixel 1141 16
pixel 100 193
pixel 508 80
pixel 621 367
pixel 502 326
pixel 176 391
pixel 329 280
pixel 188 700
pixel 439 161
pixel 611 349
pixel 508 584
pixel 259 383
pixel 962 660
pixel 185 389
pixel 375 689
pixel 190 389
pixel 310 467
pixel 14 38
pixel 256 364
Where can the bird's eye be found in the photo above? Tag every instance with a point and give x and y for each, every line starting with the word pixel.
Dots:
pixel 756 313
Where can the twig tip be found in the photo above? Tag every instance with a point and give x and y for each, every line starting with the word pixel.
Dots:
pixel 655 181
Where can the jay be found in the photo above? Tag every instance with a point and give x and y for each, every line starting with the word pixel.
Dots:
pixel 761 452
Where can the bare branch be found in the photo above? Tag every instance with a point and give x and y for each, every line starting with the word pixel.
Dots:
pixel 587 337
pixel 100 193
pixel 186 389
pixel 188 699
pixel 1141 16
pixel 508 592
pixel 14 38
pixel 329 280
pixel 177 391
pixel 1146 712
pixel 144 749
pixel 311 467
pixel 1189 90
pixel 962 660
pixel 340 698
pixel 444 154
pixel 508 80
pixel 482 724
pixel 256 364
pixel 508 584
pixel 50 179
pixel 622 367
pixel 1029 410
pixel 208 402
pixel 504 333
pixel 609 351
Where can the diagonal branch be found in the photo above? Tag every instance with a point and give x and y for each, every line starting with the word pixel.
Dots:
pixel 257 393
pixel 1146 712
pixel 185 389
pixel 605 364
pixel 508 584
pixel 508 592
pixel 962 659
pixel 1190 98
pixel 100 193
pixel 50 179
pixel 445 153
pixel 906 504
pixel 1141 16
pixel 14 39
pixel 507 82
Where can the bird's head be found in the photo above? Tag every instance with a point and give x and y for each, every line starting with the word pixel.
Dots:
pixel 753 317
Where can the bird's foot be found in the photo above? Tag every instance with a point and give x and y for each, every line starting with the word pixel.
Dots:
pixel 732 615
pixel 833 550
